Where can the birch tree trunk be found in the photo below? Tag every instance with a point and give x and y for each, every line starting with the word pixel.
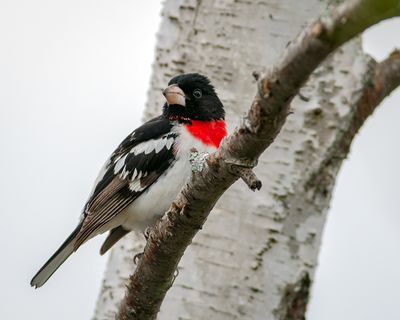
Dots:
pixel 256 256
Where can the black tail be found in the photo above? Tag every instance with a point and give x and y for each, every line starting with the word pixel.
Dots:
pixel 56 260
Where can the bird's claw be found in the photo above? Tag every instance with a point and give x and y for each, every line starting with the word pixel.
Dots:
pixel 146 233
pixel 137 257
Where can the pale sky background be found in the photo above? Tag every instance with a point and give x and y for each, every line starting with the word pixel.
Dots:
pixel 73 81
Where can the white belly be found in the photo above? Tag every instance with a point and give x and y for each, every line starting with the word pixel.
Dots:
pixel 156 200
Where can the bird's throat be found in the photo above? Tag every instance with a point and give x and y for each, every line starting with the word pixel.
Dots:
pixel 209 132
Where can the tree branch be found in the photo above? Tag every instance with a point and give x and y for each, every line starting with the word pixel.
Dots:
pixel 170 236
pixel 384 77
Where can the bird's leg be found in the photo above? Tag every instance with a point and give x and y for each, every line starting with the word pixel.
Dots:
pixel 139 255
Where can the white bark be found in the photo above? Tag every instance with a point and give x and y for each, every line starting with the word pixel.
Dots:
pixel 255 247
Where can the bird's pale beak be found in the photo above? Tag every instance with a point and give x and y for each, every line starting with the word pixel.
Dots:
pixel 174 95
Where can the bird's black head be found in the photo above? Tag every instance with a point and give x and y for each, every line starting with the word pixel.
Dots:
pixel 192 97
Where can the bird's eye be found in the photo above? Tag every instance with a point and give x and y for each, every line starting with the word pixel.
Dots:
pixel 197 93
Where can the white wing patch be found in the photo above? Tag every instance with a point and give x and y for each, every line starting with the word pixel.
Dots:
pixel 155 145
pixel 169 143
pixel 119 164
pixel 134 174
pixel 124 173
pixel 135 183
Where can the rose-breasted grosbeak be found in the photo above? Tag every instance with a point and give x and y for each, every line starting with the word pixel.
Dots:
pixel 148 169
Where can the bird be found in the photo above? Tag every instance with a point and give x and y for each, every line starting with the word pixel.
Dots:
pixel 145 173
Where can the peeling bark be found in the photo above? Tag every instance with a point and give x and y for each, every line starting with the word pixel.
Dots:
pixel 251 254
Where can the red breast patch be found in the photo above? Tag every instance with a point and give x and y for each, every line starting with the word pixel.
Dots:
pixel 209 132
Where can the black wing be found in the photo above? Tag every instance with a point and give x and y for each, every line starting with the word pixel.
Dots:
pixel 137 162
